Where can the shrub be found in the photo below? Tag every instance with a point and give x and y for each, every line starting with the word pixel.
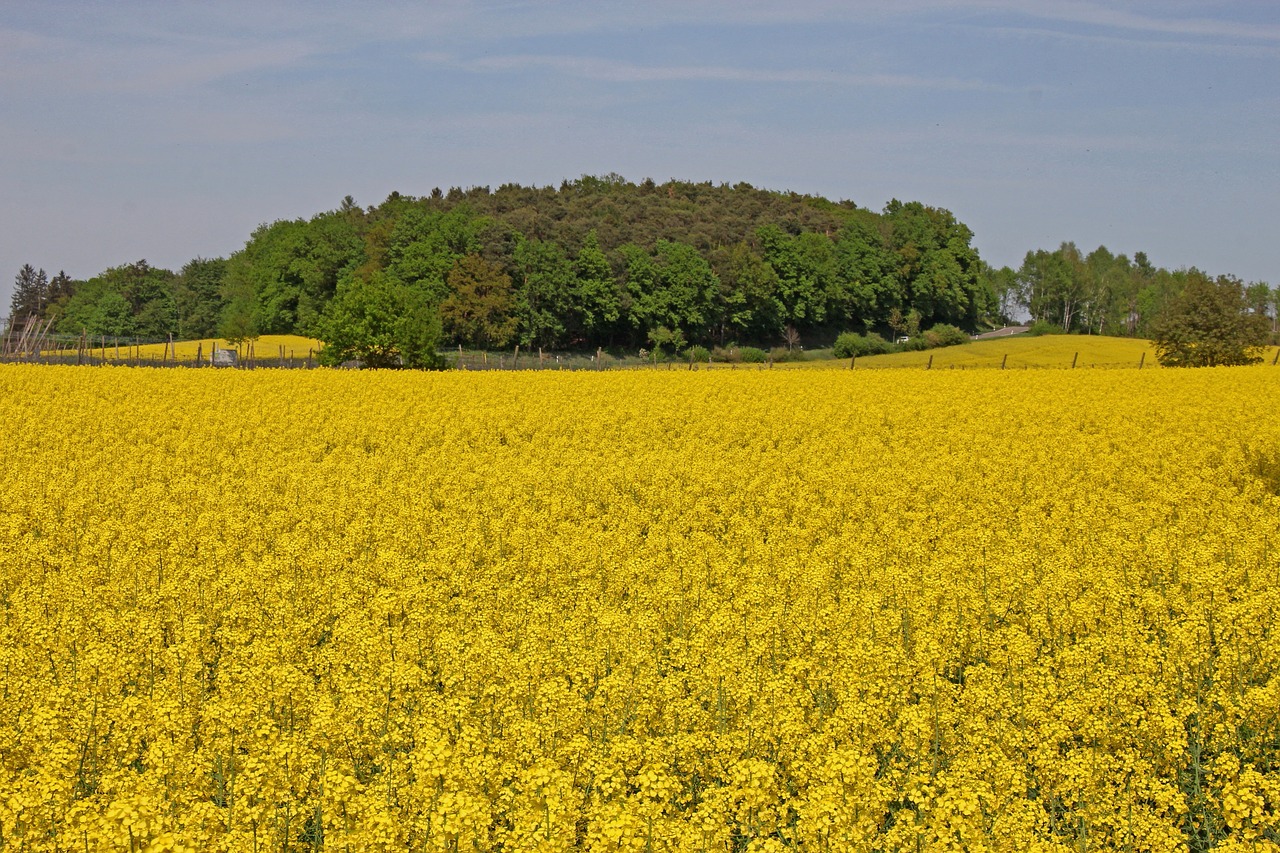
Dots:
pixel 877 345
pixel 945 335
pixel 781 354
pixel 728 355
pixel 752 355
pixel 851 344
pixel 1044 327
pixel 913 344
pixel 698 353
pixel 848 345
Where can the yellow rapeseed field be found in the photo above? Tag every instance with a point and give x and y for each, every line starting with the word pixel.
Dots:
pixel 265 347
pixel 1021 352
pixel 645 610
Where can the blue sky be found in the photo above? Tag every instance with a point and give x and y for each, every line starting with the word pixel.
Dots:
pixel 169 130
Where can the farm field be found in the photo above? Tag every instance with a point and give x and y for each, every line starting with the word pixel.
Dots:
pixel 639 610
pixel 266 346
pixel 1021 352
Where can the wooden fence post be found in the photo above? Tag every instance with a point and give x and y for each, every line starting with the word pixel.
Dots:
pixel 1073 360
pixel 1142 361
pixel 1003 360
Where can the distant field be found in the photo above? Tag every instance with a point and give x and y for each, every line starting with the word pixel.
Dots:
pixel 267 346
pixel 1047 351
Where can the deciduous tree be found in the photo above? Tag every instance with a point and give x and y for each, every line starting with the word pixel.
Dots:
pixel 479 309
pixel 1209 324
pixel 380 322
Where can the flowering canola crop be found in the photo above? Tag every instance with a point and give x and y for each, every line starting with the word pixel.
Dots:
pixel 732 610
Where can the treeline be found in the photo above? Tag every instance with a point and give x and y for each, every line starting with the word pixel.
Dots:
pixel 1105 294
pixel 135 300
pixel 595 262
pixel 603 262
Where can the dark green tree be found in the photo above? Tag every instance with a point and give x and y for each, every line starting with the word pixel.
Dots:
pixel 61 288
pixel 746 305
pixel 238 317
pixel 803 265
pixel 1053 285
pixel 1209 324
pixel 146 290
pixel 936 265
pixel 30 295
pixel 545 285
pixel 424 246
pixel 1264 301
pixel 866 285
pixel 595 309
pixel 1002 285
pixel 293 268
pixel 197 296
pixel 673 287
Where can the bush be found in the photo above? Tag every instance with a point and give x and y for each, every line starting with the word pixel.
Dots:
pixel 915 344
pixel 781 354
pixel 752 355
pixel 876 345
pixel 1044 327
pixel 727 355
pixel 698 353
pixel 851 344
pixel 848 345
pixel 945 335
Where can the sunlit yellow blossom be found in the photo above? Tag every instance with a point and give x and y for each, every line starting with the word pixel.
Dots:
pixel 663 611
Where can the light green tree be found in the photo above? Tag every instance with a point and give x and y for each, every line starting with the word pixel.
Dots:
pixel 381 323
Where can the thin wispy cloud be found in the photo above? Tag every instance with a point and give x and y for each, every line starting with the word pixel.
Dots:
pixel 45 65
pixel 615 71
pixel 269 109
pixel 1253 51
pixel 1122 19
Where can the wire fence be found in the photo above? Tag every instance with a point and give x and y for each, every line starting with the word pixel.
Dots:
pixel 33 344
pixel 84 350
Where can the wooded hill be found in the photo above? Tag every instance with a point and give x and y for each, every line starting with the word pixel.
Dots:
pixel 595 262
pixel 601 261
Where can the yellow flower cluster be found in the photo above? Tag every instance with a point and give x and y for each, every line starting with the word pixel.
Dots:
pixel 651 611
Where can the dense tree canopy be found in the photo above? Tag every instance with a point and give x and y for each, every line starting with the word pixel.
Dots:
pixel 604 262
